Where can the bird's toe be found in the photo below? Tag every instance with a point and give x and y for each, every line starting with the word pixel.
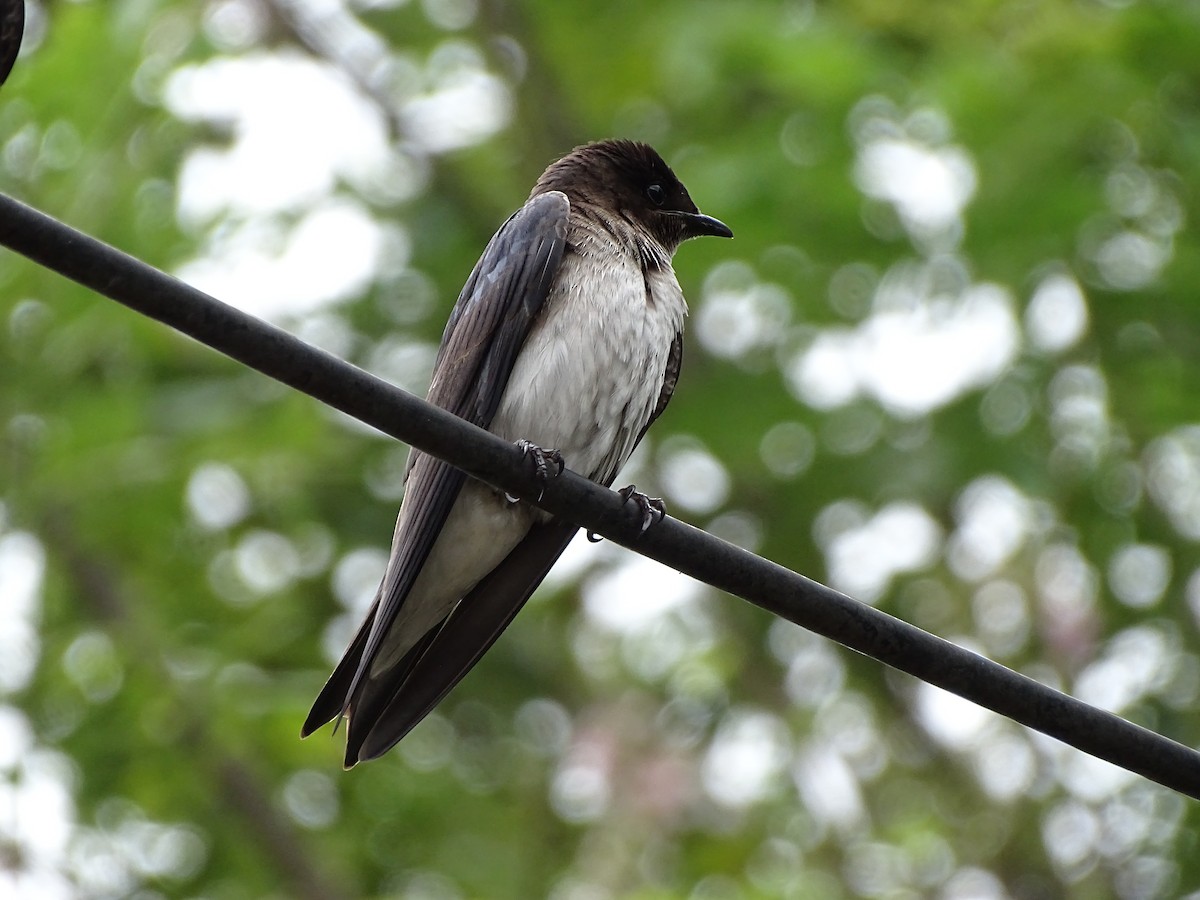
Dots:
pixel 651 509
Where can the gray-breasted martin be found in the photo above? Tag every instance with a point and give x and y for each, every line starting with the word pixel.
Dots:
pixel 568 334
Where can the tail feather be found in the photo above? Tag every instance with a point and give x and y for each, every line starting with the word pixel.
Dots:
pixel 331 702
pixel 468 632
pixel 389 707
pixel 383 707
pixel 374 694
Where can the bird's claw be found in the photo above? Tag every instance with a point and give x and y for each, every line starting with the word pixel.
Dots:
pixel 542 459
pixel 652 509
pixel 542 462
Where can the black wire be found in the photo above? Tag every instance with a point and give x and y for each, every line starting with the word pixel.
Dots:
pixel 278 354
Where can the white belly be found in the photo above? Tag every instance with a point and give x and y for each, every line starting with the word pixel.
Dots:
pixel 590 373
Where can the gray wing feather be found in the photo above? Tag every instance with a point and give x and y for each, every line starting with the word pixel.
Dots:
pixel 670 379
pixel 490 322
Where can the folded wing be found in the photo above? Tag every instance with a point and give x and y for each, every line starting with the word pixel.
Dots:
pixel 489 324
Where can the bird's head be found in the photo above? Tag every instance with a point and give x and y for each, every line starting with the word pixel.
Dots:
pixel 630 180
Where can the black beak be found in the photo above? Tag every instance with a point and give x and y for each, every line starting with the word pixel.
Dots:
pixel 698 224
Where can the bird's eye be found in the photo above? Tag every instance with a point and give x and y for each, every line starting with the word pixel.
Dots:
pixel 656 194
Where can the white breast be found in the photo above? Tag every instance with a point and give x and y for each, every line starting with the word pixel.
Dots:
pixel 589 375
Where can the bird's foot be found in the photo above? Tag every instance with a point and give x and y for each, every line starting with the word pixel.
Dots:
pixel 543 462
pixel 652 509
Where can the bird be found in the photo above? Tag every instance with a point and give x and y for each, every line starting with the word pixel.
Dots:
pixel 566 339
